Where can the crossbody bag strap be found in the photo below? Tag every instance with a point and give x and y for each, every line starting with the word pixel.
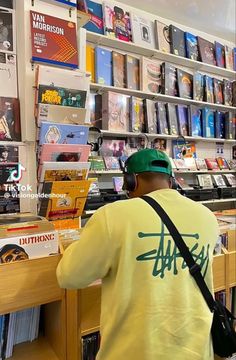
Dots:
pixel 194 268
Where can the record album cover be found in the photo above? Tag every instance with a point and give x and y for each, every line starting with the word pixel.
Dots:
pixel 206 51
pixel 169 79
pixel 53 40
pixel 53 95
pixel 8 75
pixel 60 114
pixel 118 183
pixel 7 30
pixel 195 124
pixel 142 31
pixel 231 179
pixel 222 163
pixel 191 46
pixel 182 116
pixel 230 124
pixel 159 144
pixel 136 115
pixel 96 163
pixel 162 36
pixel 103 66
pixel 172 119
pixel 150 116
pixel 205 181
pixel 177 41
pixel 151 75
pixel 162 125
pixel 190 163
pixel 95 11
pixel 180 164
pixel 185 84
pixel 9 154
pixel 132 72
pixel 182 183
pixel 118 67
pixel 53 133
pixel 228 92
pixel 229 60
pixel 209 89
pixel 218 91
pixel 219 180
pixel 198 86
pixel 212 164
pixel 183 149
pixel 10 128
pixel 208 123
pixel 201 164
pixel 115 111
pixel 111 163
pixel 90 61
pixel 116 21
pixel 220 124
pixel 70 171
pixel 112 147
pixel 64 152
pixel 220 54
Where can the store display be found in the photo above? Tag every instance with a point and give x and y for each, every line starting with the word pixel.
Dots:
pixel 52 133
pixel 142 31
pixel 53 40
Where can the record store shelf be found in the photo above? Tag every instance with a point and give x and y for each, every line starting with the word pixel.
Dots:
pixel 111 172
pixel 163 136
pixel 213 201
pixel 157 54
pixel 159 97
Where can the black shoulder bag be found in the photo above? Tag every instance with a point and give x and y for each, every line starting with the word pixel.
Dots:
pixel 222 330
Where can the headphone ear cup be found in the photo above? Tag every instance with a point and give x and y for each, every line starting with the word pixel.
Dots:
pixel 95 147
pixel 130 182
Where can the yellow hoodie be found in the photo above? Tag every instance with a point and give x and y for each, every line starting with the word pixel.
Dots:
pixel 151 306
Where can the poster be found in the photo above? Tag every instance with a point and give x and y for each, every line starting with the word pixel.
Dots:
pixel 53 40
pixel 7 31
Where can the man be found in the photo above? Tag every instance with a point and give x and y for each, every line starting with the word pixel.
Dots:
pixel 11 253
pixel 151 306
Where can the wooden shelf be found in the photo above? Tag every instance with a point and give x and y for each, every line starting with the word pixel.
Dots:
pixel 124 134
pixel 232 268
pixel 159 97
pixel 29 283
pixel 39 349
pixel 157 54
pixel 219 267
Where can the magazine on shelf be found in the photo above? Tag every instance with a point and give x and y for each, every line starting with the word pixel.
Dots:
pixel 230 179
pixel 8 31
pixel 96 163
pixel 222 163
pixel 111 163
pixel 180 164
pixel 8 75
pixel 180 146
pixel 116 21
pixel 10 127
pixel 118 183
pixel 190 163
pixel 201 164
pixel 142 31
pixel 53 133
pixel 211 164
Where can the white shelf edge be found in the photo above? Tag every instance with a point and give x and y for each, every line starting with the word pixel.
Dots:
pixel 105 172
pixel 212 172
pixel 162 136
pixel 130 47
pixel 213 201
pixel 161 97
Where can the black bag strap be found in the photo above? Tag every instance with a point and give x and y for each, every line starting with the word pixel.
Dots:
pixel 194 268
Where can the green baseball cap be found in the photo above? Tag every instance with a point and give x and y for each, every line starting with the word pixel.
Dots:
pixel 149 160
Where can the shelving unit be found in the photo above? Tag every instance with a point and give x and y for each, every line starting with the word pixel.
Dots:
pixel 159 97
pixel 153 53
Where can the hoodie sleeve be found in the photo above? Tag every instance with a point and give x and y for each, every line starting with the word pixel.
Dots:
pixel 89 258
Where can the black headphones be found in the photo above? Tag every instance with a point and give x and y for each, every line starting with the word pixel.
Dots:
pixel 130 181
pixel 95 142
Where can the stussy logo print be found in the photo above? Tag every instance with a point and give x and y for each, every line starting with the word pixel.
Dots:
pixel 165 256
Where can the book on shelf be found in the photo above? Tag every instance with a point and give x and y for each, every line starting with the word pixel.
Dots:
pixel 116 21
pixel 177 41
pixel 185 84
pixel 205 181
pixel 90 61
pixel 65 199
pixel 60 114
pixel 195 121
pixel 142 31
pixel 132 72
pixel 229 61
pixel 182 116
pixel 96 163
pixel 136 114
pixel 220 54
pixel 228 92
pixel 10 126
pixel 208 123
pixel 53 133
pixel 169 79
pixel 162 125
pixel 111 163
pixel 211 164
pixel 95 23
pixel 162 32
pixel 61 171
pixel 118 69
pixel 115 111
pixel 209 89
pixel 220 124
pixel 55 95
pixel 222 163
pixel 219 180
pixel 103 66
pixel 172 119
pixel 198 86
pixel 206 51
pixel 118 183
pixel 150 116
pixel 201 164
pixel 191 46
pixel 218 91
pixel 8 75
pixel 150 75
